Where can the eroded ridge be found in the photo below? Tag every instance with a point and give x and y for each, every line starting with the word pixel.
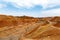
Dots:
pixel 29 28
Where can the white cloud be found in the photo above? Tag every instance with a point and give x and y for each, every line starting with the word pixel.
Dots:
pixel 32 3
pixel 2 5
pixel 27 3
pixel 52 3
pixel 53 12
pixel 47 13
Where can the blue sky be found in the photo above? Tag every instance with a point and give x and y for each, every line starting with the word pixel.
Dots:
pixel 36 8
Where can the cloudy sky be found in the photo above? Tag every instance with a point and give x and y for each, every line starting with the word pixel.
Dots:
pixel 36 8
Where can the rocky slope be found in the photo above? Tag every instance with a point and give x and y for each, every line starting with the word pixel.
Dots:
pixel 29 28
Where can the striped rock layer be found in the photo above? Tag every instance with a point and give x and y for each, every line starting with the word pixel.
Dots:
pixel 29 28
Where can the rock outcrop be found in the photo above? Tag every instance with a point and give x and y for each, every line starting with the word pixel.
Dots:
pixel 29 28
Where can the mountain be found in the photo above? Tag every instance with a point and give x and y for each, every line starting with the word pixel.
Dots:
pixel 29 28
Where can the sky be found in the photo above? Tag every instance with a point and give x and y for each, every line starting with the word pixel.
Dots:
pixel 35 8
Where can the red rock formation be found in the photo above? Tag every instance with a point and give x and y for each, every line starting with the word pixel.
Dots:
pixel 29 28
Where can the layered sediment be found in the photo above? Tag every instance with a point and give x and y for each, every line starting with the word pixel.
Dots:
pixel 29 28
